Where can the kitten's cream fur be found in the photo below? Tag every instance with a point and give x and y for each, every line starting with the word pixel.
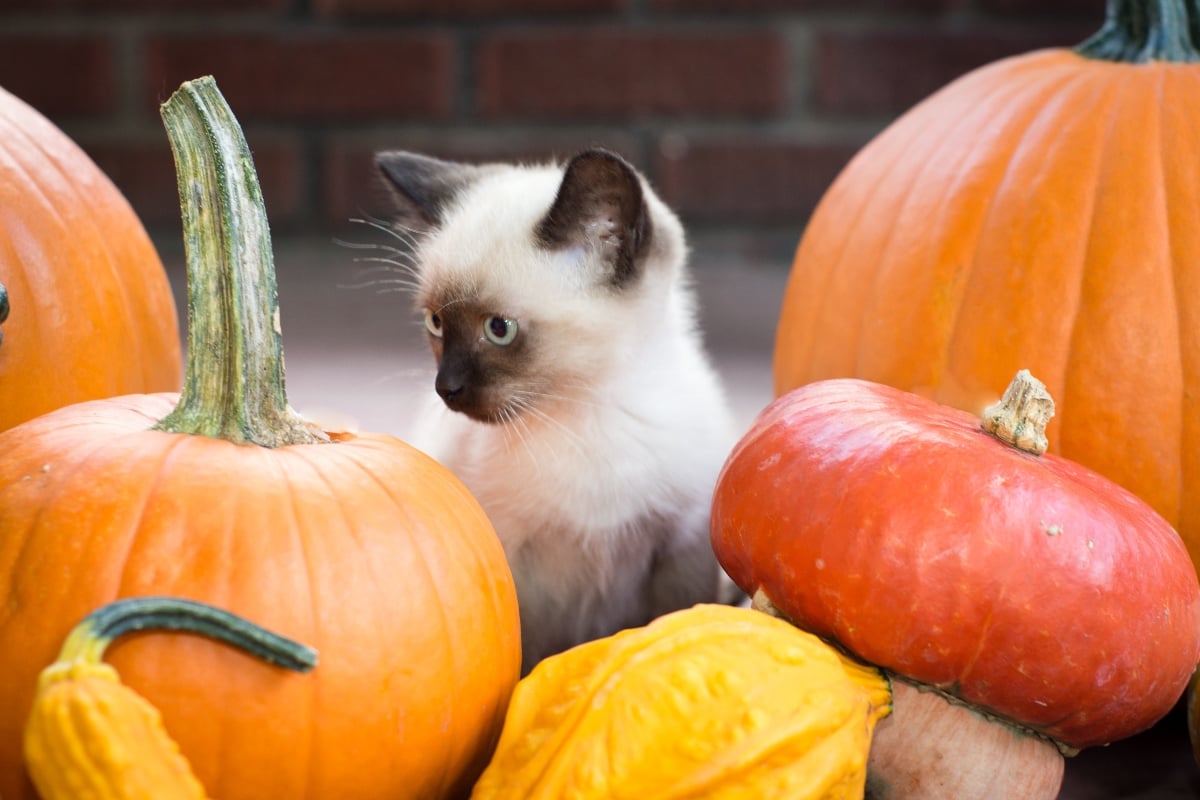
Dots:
pixel 611 425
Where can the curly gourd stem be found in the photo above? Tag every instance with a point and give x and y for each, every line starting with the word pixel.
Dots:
pixel 1138 31
pixel 92 636
pixel 234 384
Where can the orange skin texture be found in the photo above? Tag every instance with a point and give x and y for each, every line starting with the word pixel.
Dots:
pixel 1038 213
pixel 1030 587
pixel 363 548
pixel 92 314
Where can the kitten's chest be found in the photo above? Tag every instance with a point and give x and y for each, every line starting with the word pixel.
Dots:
pixel 585 485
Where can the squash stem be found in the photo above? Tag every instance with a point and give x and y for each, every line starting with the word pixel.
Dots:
pixel 89 639
pixel 234 385
pixel 1139 31
pixel 1021 416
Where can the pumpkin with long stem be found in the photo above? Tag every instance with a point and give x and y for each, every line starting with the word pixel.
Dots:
pixel 86 310
pixel 1039 212
pixel 355 543
pixel 1025 605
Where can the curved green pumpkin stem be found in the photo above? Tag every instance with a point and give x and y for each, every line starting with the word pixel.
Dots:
pixel 92 636
pixel 1138 31
pixel 234 385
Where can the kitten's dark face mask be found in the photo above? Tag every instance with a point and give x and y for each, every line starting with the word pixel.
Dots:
pixel 480 358
pixel 489 367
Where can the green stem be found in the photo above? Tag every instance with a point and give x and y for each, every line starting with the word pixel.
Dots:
pixel 234 385
pixel 92 636
pixel 1139 31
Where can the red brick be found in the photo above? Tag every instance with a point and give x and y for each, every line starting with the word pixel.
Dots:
pixel 750 6
pixel 94 7
pixel 465 8
pixel 747 180
pixel 1086 9
pixel 352 189
pixel 311 74
pixel 885 73
pixel 145 174
pixel 62 75
pixel 629 73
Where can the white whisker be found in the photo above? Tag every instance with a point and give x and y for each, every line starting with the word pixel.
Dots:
pixel 406 235
pixel 387 248
pixel 573 438
pixel 386 266
pixel 520 428
pixel 393 264
pixel 406 284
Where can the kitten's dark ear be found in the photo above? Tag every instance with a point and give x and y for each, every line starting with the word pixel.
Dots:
pixel 600 203
pixel 422 187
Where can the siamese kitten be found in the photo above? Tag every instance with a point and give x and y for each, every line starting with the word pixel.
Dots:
pixel 573 396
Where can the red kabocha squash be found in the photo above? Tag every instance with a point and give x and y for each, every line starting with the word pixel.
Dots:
pixel 1025 587
pixel 1039 212
pixel 354 543
pixel 85 307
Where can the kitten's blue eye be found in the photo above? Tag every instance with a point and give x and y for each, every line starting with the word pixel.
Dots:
pixel 500 330
pixel 433 323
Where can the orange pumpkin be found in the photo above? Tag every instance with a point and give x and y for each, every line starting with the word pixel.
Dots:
pixel 85 306
pixel 1039 212
pixel 355 543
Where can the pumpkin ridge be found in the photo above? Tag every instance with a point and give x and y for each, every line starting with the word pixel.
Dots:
pixel 1177 296
pixel 995 100
pixel 69 338
pixel 1054 373
pixel 60 486
pixel 1083 317
pixel 147 500
pixel 1183 263
pixel 912 179
pixel 121 287
pixel 453 658
pixel 305 754
pixel 912 133
pixel 102 238
pixel 18 281
pixel 846 232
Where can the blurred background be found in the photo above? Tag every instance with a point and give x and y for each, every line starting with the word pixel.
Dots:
pixel 740 113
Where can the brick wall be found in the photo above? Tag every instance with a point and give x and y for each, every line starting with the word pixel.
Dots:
pixel 740 111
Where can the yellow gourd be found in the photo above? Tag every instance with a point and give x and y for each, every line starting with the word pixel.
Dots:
pixel 89 737
pixel 710 702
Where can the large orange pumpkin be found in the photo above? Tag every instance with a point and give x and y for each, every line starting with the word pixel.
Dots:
pixel 1040 212
pixel 360 546
pixel 90 311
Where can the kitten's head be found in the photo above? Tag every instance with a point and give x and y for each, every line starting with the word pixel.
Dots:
pixel 535 282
